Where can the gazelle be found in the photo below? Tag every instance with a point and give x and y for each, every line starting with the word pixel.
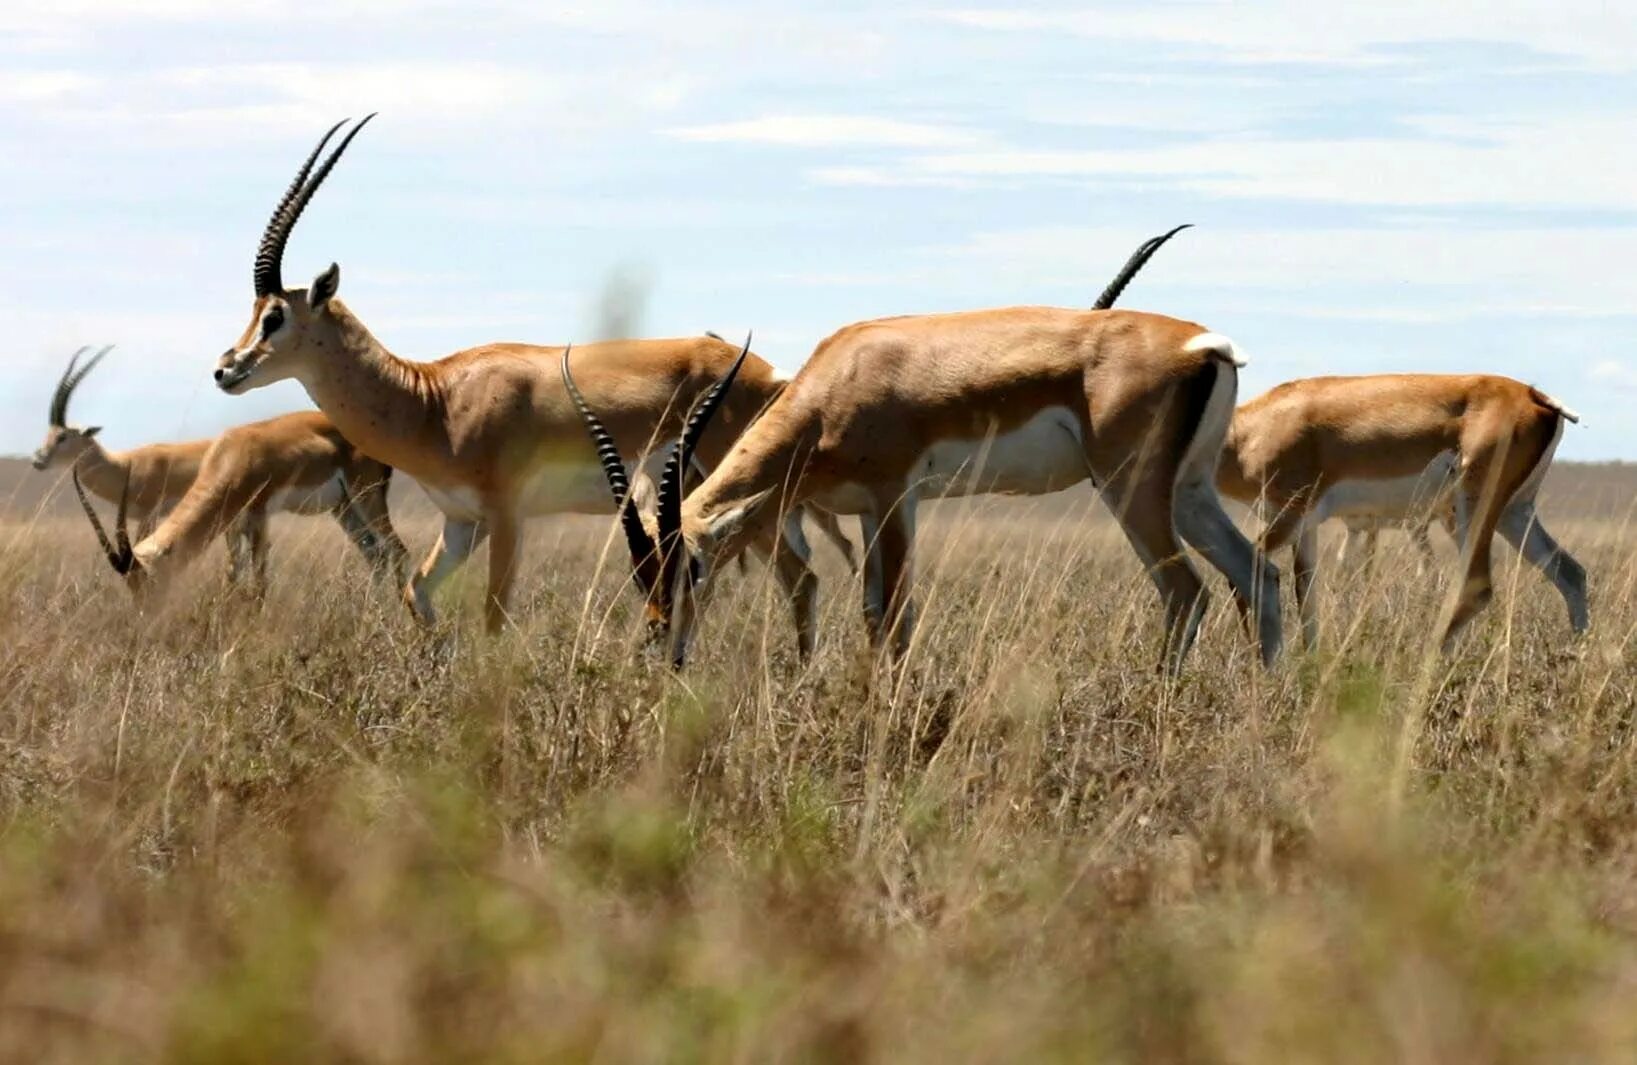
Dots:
pixel 1023 400
pixel 295 463
pixel 1293 446
pixel 155 476
pixel 489 432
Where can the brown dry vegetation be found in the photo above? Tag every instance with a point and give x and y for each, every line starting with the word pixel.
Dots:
pixel 304 831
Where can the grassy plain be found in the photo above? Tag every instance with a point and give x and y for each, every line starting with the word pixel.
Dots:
pixel 303 831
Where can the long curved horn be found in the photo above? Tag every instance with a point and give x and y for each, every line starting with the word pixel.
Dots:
pixel 270 255
pixel 59 397
pixel 1138 260
pixel 120 557
pixel 669 504
pixel 643 554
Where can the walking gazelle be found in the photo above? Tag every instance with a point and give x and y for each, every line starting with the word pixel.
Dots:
pixel 489 432
pixel 1295 445
pixel 1023 400
pixel 295 463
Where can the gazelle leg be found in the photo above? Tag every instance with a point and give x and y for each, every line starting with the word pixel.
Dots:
pixel 503 545
pixel 237 545
pixel 874 578
pixel 1145 514
pixel 455 545
pixel 1492 473
pixel 1305 555
pixel 1521 526
pixel 255 526
pixel 896 541
pixel 789 555
pixel 830 526
pixel 1206 526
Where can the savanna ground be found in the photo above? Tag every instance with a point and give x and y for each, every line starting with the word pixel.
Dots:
pixel 304 831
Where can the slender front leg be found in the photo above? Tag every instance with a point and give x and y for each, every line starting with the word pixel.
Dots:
pixel 1305 553
pixel 255 525
pixel 503 544
pixel 875 590
pixel 790 562
pixel 455 545
pixel 896 547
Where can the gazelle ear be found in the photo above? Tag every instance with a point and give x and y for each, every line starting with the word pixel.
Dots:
pixel 93 431
pixel 728 522
pixel 324 287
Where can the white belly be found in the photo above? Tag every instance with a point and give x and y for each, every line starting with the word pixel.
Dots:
pixel 1044 454
pixel 1390 499
pixel 320 500
pixel 549 488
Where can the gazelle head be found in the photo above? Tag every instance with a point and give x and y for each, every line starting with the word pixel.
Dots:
pixel 287 326
pixel 65 443
pixel 672 565
pixel 119 553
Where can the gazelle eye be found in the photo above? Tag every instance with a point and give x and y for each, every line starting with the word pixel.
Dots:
pixel 271 321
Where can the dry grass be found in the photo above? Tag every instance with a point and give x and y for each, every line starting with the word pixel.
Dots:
pixel 303 831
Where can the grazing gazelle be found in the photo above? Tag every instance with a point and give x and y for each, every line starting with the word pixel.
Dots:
pixel 1023 400
pixel 1291 447
pixel 155 476
pixel 295 463
pixel 489 432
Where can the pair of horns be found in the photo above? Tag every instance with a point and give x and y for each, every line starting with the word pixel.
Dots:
pixel 119 552
pixel 270 255
pixel 1139 259
pixel 654 565
pixel 71 379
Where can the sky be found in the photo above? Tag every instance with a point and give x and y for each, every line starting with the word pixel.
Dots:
pixel 1441 187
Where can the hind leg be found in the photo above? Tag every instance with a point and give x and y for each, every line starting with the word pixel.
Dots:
pixel 1206 526
pixel 1492 473
pixel 1522 528
pixel 1145 515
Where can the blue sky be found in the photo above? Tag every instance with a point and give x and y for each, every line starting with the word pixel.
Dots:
pixel 1442 186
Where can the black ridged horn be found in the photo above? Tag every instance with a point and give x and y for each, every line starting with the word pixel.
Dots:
pixel 71 380
pixel 269 277
pixel 643 555
pixel 119 553
pixel 669 505
pixel 1138 260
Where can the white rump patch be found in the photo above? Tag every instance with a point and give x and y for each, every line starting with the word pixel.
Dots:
pixel 1552 401
pixel 1218 345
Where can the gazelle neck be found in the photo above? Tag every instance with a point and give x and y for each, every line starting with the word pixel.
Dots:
pixel 101 471
pixel 768 458
pixel 375 399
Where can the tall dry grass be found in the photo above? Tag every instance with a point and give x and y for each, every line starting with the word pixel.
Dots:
pixel 303 830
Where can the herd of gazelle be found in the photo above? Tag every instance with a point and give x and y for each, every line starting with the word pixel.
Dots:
pixel 885 413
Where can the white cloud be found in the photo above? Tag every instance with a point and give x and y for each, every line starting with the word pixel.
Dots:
pixel 1593 32
pixel 1582 161
pixel 40 86
pixel 831 131
pixel 1611 373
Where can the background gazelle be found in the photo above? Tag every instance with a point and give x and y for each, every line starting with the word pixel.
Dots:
pixel 152 478
pixel 295 463
pixel 488 432
pixel 1297 443
pixel 1023 400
